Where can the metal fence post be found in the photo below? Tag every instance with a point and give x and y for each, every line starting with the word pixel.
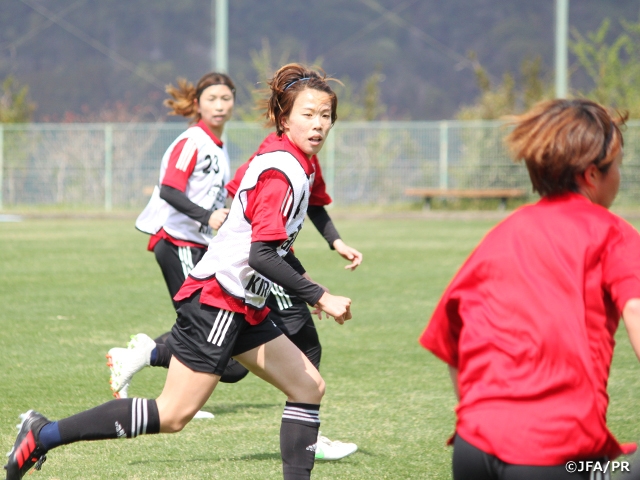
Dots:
pixel 108 167
pixel 330 175
pixel 444 155
pixel 1 162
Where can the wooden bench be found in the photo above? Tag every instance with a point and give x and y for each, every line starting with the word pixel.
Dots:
pixel 502 193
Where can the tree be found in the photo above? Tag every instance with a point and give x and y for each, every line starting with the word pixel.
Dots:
pixel 15 106
pixel 355 102
pixel 509 97
pixel 614 68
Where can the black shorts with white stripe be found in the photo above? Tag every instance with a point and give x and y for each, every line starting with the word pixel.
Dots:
pixel 176 263
pixel 204 338
pixel 289 312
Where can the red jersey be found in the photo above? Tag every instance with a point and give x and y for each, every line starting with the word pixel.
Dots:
pixel 270 204
pixel 529 321
pixel 197 164
pixel 319 196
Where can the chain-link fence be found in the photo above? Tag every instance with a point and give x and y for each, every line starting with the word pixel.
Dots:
pixel 116 165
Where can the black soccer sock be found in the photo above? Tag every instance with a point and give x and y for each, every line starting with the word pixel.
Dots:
pixel 234 372
pixel 162 338
pixel 161 356
pixel 126 417
pixel 298 438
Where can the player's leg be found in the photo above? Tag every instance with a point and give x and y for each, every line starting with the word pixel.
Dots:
pixel 292 316
pixel 307 340
pixel 283 365
pixel 190 382
pixel 175 263
pixel 471 463
pixel 185 392
pixel 234 372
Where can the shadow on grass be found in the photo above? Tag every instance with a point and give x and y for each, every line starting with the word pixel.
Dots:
pixel 211 459
pixel 254 456
pixel 222 408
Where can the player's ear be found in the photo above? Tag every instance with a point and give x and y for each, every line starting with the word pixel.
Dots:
pixel 592 175
pixel 589 181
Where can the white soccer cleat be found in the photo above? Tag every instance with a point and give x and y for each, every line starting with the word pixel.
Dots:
pixel 333 450
pixel 204 415
pixel 123 393
pixel 124 363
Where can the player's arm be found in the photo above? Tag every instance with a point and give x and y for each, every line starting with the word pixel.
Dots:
pixel 181 203
pixel 264 258
pixel 323 223
pixel 293 261
pixel 321 220
pixel 268 211
pixel 182 162
pixel 631 317
pixel 288 273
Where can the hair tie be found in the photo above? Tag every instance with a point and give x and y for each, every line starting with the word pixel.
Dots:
pixel 295 81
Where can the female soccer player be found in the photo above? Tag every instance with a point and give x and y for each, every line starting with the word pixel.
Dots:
pixel 188 202
pixel 527 325
pixel 222 303
pixel 177 257
pixel 289 312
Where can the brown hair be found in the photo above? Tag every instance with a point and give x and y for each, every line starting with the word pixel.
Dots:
pixel 285 85
pixel 185 93
pixel 559 139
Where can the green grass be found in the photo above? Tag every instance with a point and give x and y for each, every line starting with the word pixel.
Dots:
pixel 72 289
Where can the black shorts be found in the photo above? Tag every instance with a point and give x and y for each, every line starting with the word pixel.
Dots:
pixel 176 263
pixel 289 312
pixel 204 338
pixel 471 463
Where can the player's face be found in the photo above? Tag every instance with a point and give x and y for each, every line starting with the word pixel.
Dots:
pixel 215 107
pixel 309 122
pixel 609 184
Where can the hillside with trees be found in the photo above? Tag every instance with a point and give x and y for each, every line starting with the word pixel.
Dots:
pixel 398 59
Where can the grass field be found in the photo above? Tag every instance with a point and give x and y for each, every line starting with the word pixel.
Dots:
pixel 71 289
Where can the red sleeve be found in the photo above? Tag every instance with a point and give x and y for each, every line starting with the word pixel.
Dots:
pixel 443 331
pixel 319 196
pixel 442 335
pixel 269 204
pixel 181 164
pixel 232 186
pixel 621 265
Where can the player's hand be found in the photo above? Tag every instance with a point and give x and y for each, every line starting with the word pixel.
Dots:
pixel 217 217
pixel 317 311
pixel 337 307
pixel 349 253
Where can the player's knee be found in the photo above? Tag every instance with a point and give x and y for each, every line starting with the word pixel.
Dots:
pixel 173 424
pixel 311 391
pixel 321 388
pixel 172 420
